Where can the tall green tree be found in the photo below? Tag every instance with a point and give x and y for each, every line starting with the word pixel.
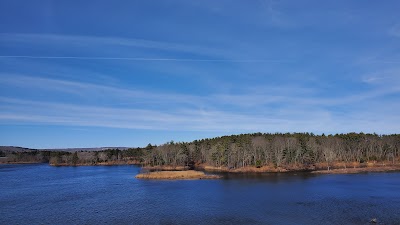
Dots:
pixel 75 158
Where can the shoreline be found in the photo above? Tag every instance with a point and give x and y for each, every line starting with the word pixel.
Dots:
pixel 320 169
pixel 21 163
pixel 96 164
pixel 359 170
pixel 316 169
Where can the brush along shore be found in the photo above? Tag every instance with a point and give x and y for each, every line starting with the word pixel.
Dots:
pixel 176 175
pixel 319 168
pixel 359 170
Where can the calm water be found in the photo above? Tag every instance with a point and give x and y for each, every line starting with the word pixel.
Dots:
pixel 41 194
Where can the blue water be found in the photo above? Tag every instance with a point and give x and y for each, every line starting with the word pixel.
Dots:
pixel 41 194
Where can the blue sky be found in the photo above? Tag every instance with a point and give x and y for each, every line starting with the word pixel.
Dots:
pixel 128 73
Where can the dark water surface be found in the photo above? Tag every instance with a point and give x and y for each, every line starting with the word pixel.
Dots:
pixel 41 194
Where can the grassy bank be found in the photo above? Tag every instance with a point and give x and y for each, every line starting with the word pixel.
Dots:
pixel 334 167
pixel 358 170
pixel 176 175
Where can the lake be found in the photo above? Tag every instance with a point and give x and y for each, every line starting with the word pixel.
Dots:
pixel 42 194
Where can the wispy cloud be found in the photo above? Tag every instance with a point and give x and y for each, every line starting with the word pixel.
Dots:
pixel 269 93
pixel 90 90
pixel 254 97
pixel 75 115
pixel 34 112
pixel 92 41
pixel 116 48
pixel 145 59
pixel 297 110
pixel 77 47
pixel 395 30
pixel 275 17
pixel 387 80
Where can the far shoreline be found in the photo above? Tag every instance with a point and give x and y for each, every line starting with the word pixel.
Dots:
pixel 243 170
pixel 255 170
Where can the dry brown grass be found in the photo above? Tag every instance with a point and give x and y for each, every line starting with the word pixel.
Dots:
pixel 247 169
pixel 176 175
pixel 164 168
pixel 359 170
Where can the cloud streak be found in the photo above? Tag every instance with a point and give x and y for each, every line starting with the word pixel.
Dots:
pixel 134 109
pixel 395 30
pixel 147 59
pixel 255 97
pixel 107 47
pixel 82 41
pixel 34 112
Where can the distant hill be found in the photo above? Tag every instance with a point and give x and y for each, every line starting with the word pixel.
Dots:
pixel 22 149
pixel 15 149
pixel 71 156
pixel 83 149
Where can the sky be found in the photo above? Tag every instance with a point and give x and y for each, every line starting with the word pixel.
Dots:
pixel 128 73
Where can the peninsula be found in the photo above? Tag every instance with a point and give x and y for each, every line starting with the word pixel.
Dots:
pixel 176 175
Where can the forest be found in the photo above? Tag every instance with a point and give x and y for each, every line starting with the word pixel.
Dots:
pixel 299 150
pixel 277 150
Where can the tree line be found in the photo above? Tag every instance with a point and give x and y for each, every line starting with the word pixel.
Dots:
pixel 278 150
pixel 237 151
